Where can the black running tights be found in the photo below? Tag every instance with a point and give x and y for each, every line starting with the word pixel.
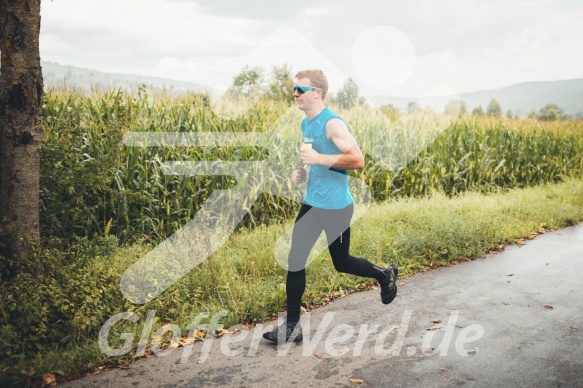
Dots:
pixel 309 224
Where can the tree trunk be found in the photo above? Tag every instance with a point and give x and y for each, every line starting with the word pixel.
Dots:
pixel 21 90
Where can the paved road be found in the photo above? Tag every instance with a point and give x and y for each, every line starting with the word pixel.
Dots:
pixel 511 319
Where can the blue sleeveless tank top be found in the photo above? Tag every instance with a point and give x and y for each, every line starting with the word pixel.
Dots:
pixel 327 187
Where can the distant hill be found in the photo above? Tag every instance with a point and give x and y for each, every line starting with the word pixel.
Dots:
pixel 521 98
pixel 531 96
pixel 62 77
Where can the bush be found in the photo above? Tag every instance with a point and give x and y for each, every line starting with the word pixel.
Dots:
pixel 73 296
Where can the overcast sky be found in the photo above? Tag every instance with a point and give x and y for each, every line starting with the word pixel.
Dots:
pixel 395 48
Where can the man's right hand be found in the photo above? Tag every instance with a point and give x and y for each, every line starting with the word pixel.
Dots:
pixel 299 175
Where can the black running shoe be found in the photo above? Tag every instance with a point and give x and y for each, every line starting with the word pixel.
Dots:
pixel 389 284
pixel 285 333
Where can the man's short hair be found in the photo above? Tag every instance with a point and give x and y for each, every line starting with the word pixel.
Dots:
pixel 317 78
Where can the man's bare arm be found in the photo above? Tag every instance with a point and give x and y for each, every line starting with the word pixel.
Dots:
pixel 351 159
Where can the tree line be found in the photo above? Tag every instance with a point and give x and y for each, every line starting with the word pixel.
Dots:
pixel 277 84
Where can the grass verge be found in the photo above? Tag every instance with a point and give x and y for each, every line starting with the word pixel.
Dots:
pixel 58 335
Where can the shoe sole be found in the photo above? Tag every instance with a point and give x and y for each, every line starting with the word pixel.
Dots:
pixel 275 341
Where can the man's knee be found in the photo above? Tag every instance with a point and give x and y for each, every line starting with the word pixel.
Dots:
pixel 342 266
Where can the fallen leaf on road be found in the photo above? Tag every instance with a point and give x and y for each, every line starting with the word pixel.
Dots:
pixel 222 333
pixel 473 351
pixel 442 369
pixel 183 342
pixel 401 284
pixel 436 327
pixel 356 381
pixel 49 379
pixel 510 274
pixel 436 321
pixel 549 307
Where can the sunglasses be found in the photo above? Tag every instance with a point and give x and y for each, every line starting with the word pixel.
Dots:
pixel 303 89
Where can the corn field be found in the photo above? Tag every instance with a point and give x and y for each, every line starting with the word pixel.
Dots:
pixel 94 183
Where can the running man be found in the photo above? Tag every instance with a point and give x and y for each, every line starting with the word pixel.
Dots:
pixel 329 150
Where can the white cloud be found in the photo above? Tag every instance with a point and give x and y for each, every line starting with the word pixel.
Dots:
pixel 316 11
pixel 467 46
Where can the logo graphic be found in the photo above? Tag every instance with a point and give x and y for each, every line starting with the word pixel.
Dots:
pixel 383 339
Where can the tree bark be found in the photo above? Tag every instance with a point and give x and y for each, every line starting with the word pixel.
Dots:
pixel 21 90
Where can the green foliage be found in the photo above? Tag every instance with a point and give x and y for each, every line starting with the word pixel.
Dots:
pixel 463 108
pixel 392 112
pixel 478 111
pixel 82 157
pixel 250 82
pixel 281 84
pixel 423 233
pixel 254 83
pixel 347 96
pixel 7 263
pixel 413 107
pixel 456 106
pixel 494 109
pixel 75 294
pixel 472 154
pixel 92 185
pixel 552 112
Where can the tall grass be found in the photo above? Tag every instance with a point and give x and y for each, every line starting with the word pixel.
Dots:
pixel 93 185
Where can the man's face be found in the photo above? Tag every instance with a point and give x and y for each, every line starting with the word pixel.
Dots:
pixel 304 100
